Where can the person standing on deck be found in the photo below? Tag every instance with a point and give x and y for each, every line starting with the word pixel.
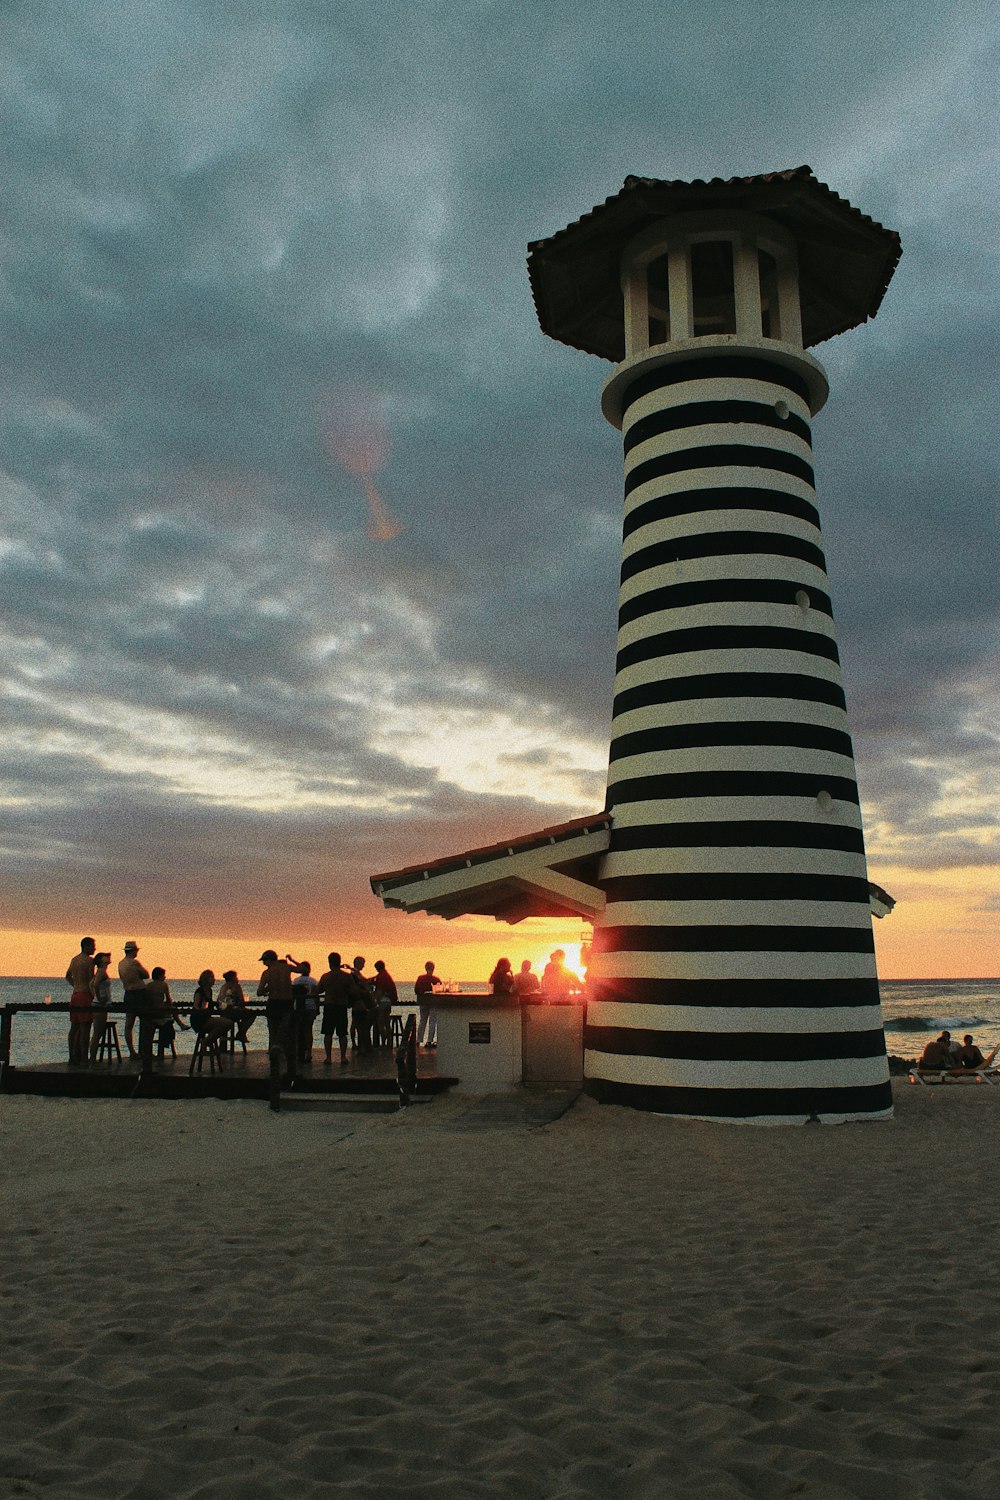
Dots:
pixel 306 991
pixel 362 1007
pixel 78 977
pixel 424 988
pixel 100 988
pixel 134 977
pixel 335 986
pixel 386 996
pixel 276 985
pixel 557 980
pixel 526 981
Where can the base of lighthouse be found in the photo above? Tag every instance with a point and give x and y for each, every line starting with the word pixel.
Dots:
pixel 738 1107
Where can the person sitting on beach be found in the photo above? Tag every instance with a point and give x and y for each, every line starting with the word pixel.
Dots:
pixel 952 1047
pixel 969 1055
pixel 81 1000
pixel 232 1002
pixel 526 981
pixel 424 987
pixel 100 989
pixel 134 977
pixel 335 987
pixel 386 996
pixel 502 980
pixel 163 1013
pixel 557 980
pixel 935 1056
pixel 205 1019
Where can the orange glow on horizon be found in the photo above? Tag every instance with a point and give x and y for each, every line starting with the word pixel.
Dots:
pixel 944 926
pixel 44 955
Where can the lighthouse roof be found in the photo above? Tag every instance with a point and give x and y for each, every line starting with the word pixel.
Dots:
pixel 846 259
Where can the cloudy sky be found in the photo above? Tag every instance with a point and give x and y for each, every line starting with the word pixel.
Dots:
pixel 309 538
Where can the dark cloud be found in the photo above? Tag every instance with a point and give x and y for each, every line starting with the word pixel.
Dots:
pixel 227 228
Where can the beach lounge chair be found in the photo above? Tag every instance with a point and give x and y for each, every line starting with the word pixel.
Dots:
pixel 987 1072
pixel 947 1075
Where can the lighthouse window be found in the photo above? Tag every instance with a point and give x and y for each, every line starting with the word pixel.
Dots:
pixel 658 293
pixel 712 293
pixel 770 326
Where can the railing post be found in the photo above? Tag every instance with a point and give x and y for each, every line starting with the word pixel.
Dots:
pixel 6 1028
pixel 146 1033
pixel 406 1063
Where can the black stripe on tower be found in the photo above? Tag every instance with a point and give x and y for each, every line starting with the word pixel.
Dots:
pixel 718 456
pixel 712 413
pixel 744 1104
pixel 674 784
pixel 718 497
pixel 727 637
pixel 741 732
pixel 720 544
pixel 738 994
pixel 730 685
pixel 735 1046
pixel 731 367
pixel 745 937
pixel 721 591
pixel 743 834
pixel 726 885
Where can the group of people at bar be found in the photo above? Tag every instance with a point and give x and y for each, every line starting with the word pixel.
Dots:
pixel 356 1007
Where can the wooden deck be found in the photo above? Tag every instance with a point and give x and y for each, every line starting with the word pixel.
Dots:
pixel 241 1076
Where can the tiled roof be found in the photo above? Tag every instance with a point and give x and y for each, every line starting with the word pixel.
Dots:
pixel 846 258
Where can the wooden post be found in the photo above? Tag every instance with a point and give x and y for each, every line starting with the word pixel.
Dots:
pixel 6 1027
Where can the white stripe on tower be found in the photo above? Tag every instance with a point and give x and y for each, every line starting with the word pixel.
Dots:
pixel 733 971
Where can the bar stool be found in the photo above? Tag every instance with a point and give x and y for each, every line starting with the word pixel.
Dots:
pixel 108 1048
pixel 161 1045
pixel 395 1030
pixel 204 1048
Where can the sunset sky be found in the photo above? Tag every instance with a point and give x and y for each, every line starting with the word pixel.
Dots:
pixel 309 538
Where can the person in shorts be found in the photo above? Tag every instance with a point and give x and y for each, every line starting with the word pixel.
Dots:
pixel 81 1000
pixel 134 977
pixel 335 991
pixel 276 985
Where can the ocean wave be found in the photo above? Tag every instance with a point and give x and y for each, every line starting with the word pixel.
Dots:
pixel 934 1023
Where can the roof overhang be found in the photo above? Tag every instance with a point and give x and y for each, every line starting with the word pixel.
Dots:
pixel 846 259
pixel 551 873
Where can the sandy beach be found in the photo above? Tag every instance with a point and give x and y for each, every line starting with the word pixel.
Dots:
pixel 211 1300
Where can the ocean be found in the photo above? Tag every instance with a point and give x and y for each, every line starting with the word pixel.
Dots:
pixel 914 1010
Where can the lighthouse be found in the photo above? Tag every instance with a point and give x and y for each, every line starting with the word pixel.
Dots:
pixel 733 970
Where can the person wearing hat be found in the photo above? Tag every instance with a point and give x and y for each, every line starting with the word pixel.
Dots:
pixel 276 985
pixel 134 977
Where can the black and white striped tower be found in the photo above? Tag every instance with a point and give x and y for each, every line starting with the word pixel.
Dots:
pixel 733 973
